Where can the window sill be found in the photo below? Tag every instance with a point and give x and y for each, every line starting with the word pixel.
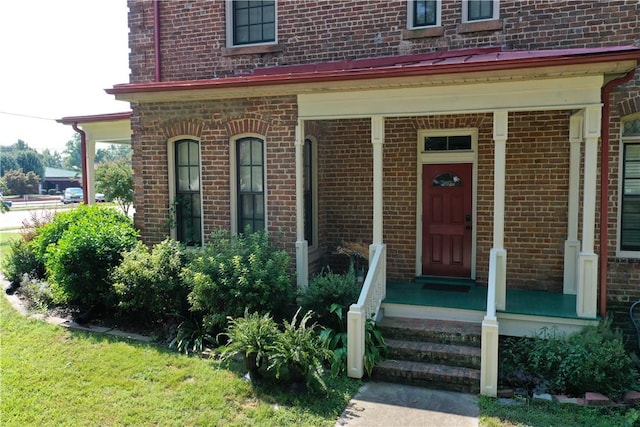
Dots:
pixel 251 50
pixel 421 33
pixel 475 27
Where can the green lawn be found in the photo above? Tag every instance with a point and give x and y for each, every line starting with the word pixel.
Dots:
pixel 5 238
pixel 52 377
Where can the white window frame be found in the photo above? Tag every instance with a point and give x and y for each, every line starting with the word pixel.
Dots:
pixel 437 157
pixel 171 169
pixel 627 140
pixel 465 12
pixel 233 179
pixel 410 16
pixel 229 29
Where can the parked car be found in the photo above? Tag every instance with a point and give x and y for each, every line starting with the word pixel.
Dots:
pixel 100 198
pixel 7 203
pixel 72 195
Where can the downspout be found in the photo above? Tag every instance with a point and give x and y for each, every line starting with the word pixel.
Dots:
pixel 83 159
pixel 604 186
pixel 156 38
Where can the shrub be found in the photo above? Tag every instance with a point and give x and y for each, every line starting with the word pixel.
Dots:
pixel 148 281
pixel 231 274
pixel 79 263
pixel 591 360
pixel 328 288
pixel 192 337
pixel 51 232
pixel 21 261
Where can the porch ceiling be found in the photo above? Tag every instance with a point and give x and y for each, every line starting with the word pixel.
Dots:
pixel 410 71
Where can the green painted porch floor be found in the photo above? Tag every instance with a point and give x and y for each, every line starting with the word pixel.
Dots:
pixel 537 303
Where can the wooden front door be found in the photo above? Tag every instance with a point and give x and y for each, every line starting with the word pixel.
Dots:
pixel 447 219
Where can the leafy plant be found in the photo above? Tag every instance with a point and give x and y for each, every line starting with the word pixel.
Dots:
pixel 192 337
pixel 250 336
pixel 21 260
pixel 79 263
pixel 375 347
pixel 298 354
pixel 149 282
pixel 115 180
pixel 231 274
pixel 336 341
pixel 328 288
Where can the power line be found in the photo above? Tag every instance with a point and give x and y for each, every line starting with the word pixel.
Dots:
pixel 27 116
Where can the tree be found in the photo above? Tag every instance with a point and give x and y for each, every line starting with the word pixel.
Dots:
pixel 115 180
pixel 51 160
pixel 73 153
pixel 21 183
pixel 113 153
pixel 7 162
pixel 29 161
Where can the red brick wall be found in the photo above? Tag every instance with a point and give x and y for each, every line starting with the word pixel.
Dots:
pixel 214 124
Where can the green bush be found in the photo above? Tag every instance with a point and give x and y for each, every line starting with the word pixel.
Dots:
pixel 21 260
pixel 49 233
pixel 328 288
pixel 148 282
pixel 231 274
pixel 591 360
pixel 79 263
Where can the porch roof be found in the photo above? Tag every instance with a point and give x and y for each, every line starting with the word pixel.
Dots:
pixel 306 78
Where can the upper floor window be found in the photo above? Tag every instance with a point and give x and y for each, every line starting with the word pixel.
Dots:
pixel 480 10
pixel 252 22
pixel 630 192
pixel 423 13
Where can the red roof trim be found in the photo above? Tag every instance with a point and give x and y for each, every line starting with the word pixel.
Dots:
pixel 110 117
pixel 451 62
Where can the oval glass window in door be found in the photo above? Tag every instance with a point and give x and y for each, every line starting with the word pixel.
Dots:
pixel 446 179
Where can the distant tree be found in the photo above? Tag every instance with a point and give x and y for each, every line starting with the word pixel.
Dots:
pixel 21 183
pixel 115 180
pixel 113 153
pixel 51 160
pixel 73 153
pixel 30 161
pixel 7 162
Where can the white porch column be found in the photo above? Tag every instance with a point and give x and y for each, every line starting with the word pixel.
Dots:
pixel 587 289
pixel 377 140
pixel 302 246
pixel 90 168
pixel 497 291
pixel 572 244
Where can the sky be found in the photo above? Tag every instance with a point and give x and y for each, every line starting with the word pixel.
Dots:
pixel 56 59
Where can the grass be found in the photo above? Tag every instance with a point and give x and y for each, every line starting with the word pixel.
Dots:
pixel 52 376
pixel 551 414
pixel 5 238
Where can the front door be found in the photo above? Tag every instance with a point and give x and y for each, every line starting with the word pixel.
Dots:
pixel 447 219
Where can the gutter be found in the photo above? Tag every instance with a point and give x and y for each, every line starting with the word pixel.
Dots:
pixel 156 38
pixel 604 186
pixel 83 157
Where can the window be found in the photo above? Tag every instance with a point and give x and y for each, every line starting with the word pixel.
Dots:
pixel 424 13
pixel 309 182
pixel 187 204
pixel 250 184
pixel 252 22
pixel 480 10
pixel 447 143
pixel 630 203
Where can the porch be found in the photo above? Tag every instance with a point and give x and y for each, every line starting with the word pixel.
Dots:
pixel 526 311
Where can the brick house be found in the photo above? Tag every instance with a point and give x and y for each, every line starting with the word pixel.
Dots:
pixel 495 143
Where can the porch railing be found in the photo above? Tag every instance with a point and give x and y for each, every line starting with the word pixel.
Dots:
pixel 371 296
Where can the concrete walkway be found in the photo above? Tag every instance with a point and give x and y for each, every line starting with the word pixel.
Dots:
pixel 385 404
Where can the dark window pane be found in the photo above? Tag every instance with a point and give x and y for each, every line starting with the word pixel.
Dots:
pixel 479 9
pixel 424 13
pixel 443 143
pixel 253 22
pixel 435 143
pixel 250 176
pixel 460 142
pixel 446 179
pixel 187 202
pixel 630 215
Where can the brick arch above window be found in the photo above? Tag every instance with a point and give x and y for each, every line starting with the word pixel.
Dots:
pixel 247 125
pixel 451 122
pixel 174 128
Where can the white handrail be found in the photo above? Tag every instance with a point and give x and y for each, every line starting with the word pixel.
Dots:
pixel 371 296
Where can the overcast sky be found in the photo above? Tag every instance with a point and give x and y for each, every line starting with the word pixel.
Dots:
pixel 56 59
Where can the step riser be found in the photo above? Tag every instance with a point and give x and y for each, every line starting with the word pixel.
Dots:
pixel 440 358
pixel 447 383
pixel 431 336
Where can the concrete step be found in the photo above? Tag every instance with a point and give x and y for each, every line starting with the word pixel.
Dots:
pixel 428 352
pixel 428 375
pixel 427 330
